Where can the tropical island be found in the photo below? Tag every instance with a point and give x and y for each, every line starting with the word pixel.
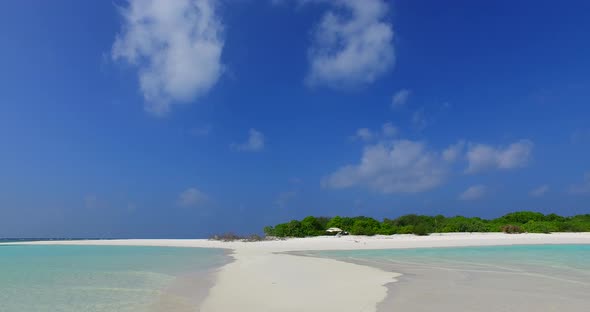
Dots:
pixel 504 267
pixel 515 222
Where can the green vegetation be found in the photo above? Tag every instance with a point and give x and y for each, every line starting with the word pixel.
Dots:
pixel 512 229
pixel 516 222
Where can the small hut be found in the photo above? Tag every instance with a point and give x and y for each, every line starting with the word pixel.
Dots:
pixel 334 231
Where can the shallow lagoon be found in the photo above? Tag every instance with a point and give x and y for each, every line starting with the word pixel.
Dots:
pixel 105 278
pixel 497 278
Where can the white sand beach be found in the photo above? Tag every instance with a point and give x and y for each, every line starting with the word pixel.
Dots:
pixel 263 279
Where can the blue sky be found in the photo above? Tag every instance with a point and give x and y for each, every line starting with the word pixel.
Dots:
pixel 183 118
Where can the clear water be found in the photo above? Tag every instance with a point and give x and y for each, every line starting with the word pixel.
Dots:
pixel 97 278
pixel 567 259
pixel 499 278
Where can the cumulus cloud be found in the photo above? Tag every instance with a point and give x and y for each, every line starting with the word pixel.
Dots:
pixel 483 157
pixel 352 45
pixel 539 191
pixel 176 47
pixel 399 166
pixel 391 165
pixel 582 188
pixel 254 143
pixel 363 134
pixel 400 98
pixel 388 130
pixel 453 152
pixel 473 193
pixel 191 197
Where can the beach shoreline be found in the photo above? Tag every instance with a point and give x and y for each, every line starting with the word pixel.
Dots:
pixel 446 281
pixel 263 277
pixel 190 288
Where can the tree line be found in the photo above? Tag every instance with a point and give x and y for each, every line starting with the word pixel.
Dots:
pixel 515 222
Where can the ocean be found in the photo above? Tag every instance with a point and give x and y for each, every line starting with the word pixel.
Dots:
pixel 105 278
pixel 493 278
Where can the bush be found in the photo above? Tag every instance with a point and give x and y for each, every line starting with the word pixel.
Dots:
pixel 226 237
pixel 554 217
pixel 407 229
pixel 269 231
pixel 522 217
pixel 254 238
pixel 421 230
pixel 579 223
pixel 231 237
pixel 347 223
pixel 540 227
pixel 516 222
pixel 462 224
pixel 311 226
pixel 387 229
pixel 574 226
pixel 511 229
pixel 365 226
pixel 335 222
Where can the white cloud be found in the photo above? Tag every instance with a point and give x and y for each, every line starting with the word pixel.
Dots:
pixel 483 157
pixel 352 45
pixel 473 193
pixel 403 166
pixel 400 166
pixel 539 191
pixel 389 130
pixel 176 46
pixel 400 98
pixel 191 197
pixel 254 143
pixel 453 152
pixel 363 134
pixel 582 188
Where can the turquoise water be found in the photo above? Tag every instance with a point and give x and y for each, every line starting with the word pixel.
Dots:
pixel 99 278
pixel 499 278
pixel 575 257
pixel 570 262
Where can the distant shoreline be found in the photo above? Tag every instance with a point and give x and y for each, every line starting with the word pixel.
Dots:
pixel 263 278
pixel 337 243
pixel 44 239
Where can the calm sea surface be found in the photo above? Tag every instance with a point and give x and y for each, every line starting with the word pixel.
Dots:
pixel 574 258
pixel 103 278
pixel 498 278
